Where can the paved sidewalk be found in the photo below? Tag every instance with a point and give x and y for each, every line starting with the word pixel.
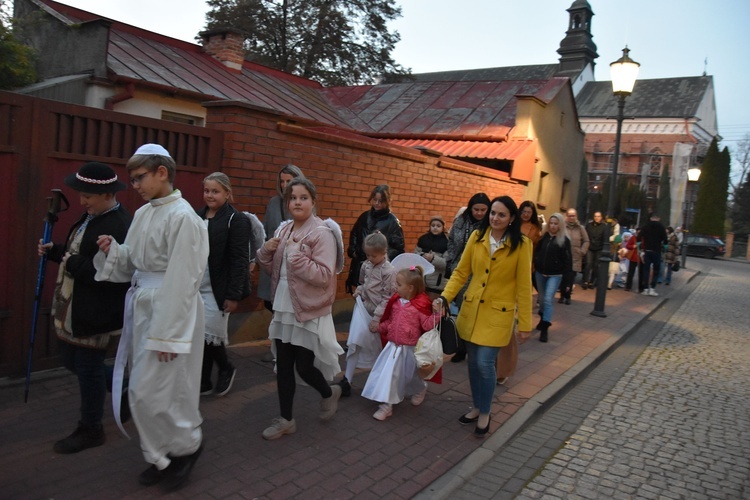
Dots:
pixel 677 423
pixel 419 449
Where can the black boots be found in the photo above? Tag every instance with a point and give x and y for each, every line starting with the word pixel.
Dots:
pixel 346 388
pixel 543 327
pixel 85 436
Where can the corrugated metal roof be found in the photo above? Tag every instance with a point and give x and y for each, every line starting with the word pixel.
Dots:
pixel 510 150
pixel 151 59
pixel 521 73
pixel 481 108
pixel 654 98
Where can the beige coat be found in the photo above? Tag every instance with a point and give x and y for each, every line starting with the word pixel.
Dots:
pixel 579 244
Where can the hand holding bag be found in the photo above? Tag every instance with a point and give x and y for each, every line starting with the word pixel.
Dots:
pixel 429 353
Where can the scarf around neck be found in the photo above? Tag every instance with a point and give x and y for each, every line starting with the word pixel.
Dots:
pixel 429 242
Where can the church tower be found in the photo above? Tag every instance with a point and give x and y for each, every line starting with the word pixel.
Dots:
pixel 578 50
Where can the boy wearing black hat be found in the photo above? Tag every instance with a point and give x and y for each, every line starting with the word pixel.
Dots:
pixel 165 254
pixel 87 314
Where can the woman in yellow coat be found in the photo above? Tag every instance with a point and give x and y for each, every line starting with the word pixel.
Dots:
pixel 498 257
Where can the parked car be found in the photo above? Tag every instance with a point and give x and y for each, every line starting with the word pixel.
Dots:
pixel 702 245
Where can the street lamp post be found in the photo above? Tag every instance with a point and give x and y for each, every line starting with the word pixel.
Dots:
pixel 624 72
pixel 693 175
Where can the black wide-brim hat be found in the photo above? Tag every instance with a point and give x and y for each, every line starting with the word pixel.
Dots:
pixel 95 178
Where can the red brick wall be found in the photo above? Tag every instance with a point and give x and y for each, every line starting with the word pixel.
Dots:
pixel 631 145
pixel 344 171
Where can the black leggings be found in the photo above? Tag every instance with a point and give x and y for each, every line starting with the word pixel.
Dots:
pixel 289 357
pixel 214 354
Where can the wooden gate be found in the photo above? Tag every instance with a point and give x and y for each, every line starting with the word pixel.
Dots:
pixel 41 142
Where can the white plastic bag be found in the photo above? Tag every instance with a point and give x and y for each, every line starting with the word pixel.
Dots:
pixel 429 353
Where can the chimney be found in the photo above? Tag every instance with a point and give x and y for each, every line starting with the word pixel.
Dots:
pixel 226 45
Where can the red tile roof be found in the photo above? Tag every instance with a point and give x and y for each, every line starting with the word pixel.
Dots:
pixel 512 150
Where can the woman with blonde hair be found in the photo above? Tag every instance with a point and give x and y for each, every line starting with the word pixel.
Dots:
pixel 552 259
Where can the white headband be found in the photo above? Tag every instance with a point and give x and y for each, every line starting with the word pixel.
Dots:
pixel 96 181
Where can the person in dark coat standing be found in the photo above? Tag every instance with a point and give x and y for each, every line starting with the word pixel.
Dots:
pixel 553 259
pixel 653 237
pixel 88 314
pixel 226 280
pixel 378 218
pixel 595 229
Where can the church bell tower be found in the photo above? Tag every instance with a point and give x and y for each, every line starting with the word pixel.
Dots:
pixel 577 50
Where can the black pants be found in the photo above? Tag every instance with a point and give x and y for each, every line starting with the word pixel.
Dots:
pixel 566 285
pixel 591 273
pixel 93 379
pixel 632 268
pixel 214 354
pixel 289 357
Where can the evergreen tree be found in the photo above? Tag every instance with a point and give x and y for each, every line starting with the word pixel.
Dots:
pixel 16 59
pixel 726 170
pixel 741 211
pixel 711 204
pixel 335 42
pixel 664 203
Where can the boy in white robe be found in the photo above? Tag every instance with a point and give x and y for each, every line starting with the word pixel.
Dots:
pixel 165 253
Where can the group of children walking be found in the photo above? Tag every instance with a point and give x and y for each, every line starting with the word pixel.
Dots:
pixel 188 270
pixel 391 312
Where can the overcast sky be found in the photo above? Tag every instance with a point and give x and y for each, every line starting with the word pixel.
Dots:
pixel 670 38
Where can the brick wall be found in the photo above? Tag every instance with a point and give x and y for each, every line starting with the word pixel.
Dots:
pixel 344 170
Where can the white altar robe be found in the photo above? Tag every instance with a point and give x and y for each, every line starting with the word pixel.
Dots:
pixel 167 237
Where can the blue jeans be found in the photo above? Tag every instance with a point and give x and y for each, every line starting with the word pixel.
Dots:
pixel 482 378
pixel 548 285
pixel 651 259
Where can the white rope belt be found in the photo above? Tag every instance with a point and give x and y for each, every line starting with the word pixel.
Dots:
pixel 141 279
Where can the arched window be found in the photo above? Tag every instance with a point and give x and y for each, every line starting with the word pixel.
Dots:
pixel 654 173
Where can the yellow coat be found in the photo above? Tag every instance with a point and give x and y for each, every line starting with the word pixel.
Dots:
pixel 500 289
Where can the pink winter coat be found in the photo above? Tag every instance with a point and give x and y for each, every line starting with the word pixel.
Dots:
pixel 406 322
pixel 311 269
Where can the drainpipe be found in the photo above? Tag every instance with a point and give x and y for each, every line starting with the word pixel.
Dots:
pixel 128 93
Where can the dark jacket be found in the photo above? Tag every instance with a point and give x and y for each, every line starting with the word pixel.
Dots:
pixel 98 306
pixel 550 258
pixel 367 223
pixel 462 227
pixel 596 236
pixel 229 253
pixel 653 236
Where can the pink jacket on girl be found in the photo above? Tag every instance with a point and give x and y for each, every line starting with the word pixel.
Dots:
pixel 311 270
pixel 406 322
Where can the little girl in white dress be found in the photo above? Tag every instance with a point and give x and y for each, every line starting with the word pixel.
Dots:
pixel 407 316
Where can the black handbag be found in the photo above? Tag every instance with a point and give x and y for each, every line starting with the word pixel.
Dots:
pixel 676 266
pixel 448 335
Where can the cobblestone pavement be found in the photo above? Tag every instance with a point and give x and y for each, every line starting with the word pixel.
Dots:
pixel 677 424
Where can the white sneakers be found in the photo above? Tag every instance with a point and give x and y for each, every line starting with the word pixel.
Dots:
pixel 384 411
pixel 279 427
pixel 650 291
pixel 328 405
pixel 418 398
